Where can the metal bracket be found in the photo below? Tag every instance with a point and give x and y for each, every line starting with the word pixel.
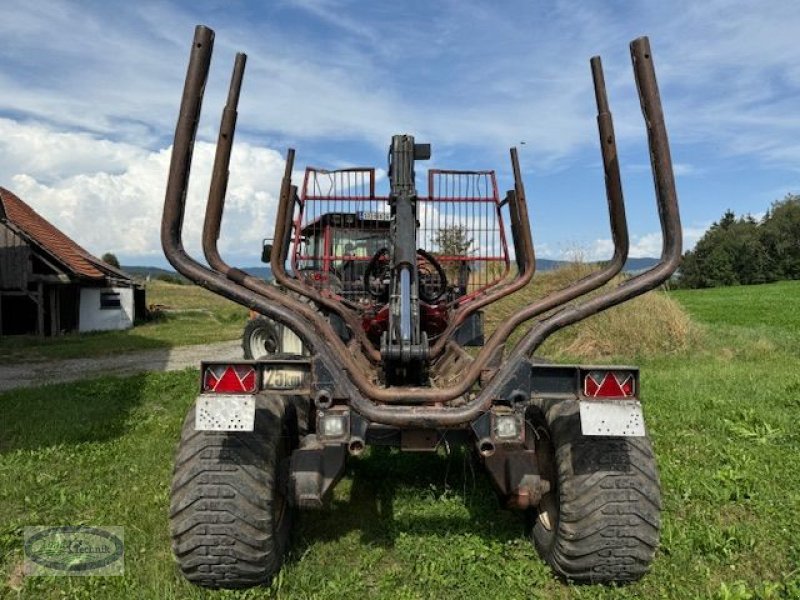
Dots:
pixel 313 472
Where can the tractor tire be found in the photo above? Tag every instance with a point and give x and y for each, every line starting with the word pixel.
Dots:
pixel 260 338
pixel 600 522
pixel 229 515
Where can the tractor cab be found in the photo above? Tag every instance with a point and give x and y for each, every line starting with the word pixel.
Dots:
pixel 334 250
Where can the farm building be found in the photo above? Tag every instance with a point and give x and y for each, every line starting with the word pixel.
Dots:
pixel 50 285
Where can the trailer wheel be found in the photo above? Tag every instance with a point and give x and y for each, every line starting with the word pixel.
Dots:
pixel 260 338
pixel 600 522
pixel 229 514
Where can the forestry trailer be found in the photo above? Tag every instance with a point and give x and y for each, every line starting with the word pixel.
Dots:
pixel 374 299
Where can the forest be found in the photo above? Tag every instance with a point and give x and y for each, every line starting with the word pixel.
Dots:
pixel 744 250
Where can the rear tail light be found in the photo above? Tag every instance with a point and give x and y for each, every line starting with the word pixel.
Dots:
pixel 609 384
pixel 230 379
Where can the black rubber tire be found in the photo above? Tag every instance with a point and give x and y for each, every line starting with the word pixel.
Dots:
pixel 605 506
pixel 264 330
pixel 229 519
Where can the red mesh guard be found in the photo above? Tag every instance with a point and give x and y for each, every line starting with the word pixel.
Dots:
pixel 341 223
pixel 339 226
pixel 461 225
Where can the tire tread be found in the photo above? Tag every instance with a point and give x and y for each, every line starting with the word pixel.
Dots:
pixel 609 517
pixel 223 485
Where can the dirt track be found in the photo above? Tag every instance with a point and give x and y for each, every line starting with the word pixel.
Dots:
pixel 30 374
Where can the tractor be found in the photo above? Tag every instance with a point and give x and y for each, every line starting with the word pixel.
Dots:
pixel 375 336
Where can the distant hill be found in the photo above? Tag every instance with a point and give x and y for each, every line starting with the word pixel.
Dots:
pixel 548 264
pixel 633 265
pixel 142 272
pixel 261 272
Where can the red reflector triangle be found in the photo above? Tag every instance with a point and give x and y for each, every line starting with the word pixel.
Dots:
pixel 248 380
pixel 229 382
pixel 610 387
pixel 210 381
pixel 590 386
pixel 627 386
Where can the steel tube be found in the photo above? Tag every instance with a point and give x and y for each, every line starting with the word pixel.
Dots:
pixel 352 382
pixel 283 224
pixel 215 208
pixel 616 213
pixel 216 204
pixel 619 227
pixel 666 199
pixel 319 337
pixel 520 226
pixel 175 204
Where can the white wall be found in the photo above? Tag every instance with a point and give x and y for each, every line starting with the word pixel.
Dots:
pixel 94 318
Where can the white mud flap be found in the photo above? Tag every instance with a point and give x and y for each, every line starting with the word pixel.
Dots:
pixel 621 418
pixel 225 412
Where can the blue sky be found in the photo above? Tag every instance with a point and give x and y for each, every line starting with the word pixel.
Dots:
pixel 90 92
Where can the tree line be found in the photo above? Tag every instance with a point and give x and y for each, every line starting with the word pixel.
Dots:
pixel 744 250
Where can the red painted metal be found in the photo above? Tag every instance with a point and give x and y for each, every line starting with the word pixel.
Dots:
pixel 457 200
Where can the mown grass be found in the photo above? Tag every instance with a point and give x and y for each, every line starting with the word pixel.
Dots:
pixel 189 315
pixel 775 305
pixel 722 414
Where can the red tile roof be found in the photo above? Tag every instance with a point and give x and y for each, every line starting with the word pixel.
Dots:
pixel 42 233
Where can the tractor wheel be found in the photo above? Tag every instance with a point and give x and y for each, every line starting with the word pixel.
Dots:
pixel 260 338
pixel 600 522
pixel 229 514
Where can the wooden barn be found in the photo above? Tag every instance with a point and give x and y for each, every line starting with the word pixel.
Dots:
pixel 50 285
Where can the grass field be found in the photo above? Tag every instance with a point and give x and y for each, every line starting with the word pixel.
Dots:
pixel 201 317
pixel 722 413
pixel 773 305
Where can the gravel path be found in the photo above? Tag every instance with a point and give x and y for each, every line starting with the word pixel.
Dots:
pixel 29 374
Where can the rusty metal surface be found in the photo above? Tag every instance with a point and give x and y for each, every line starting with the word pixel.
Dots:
pixel 514 471
pixel 619 227
pixel 583 286
pixel 526 262
pixel 283 222
pixel 215 208
pixel 666 200
pixel 175 203
pixel 351 380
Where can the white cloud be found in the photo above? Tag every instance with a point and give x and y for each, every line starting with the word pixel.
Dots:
pixel 48 155
pixel 647 245
pixel 691 235
pixel 102 84
pixel 116 205
pixel 464 74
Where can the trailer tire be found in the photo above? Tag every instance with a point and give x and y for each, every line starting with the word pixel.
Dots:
pixel 229 515
pixel 601 521
pixel 260 338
